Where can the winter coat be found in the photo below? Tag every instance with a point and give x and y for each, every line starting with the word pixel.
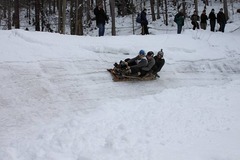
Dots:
pixel 179 19
pixel 140 62
pixel 159 62
pixel 101 16
pixel 144 20
pixel 212 16
pixel 204 18
pixel 195 18
pixel 221 17
pixel 150 64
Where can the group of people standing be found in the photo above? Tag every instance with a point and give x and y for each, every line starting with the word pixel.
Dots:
pixel 102 19
pixel 195 18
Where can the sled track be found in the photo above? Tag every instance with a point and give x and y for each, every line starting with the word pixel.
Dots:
pixel 72 82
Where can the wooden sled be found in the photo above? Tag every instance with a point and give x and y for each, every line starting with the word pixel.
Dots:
pixel 120 77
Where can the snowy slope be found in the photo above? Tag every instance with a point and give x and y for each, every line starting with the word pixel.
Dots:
pixel 58 102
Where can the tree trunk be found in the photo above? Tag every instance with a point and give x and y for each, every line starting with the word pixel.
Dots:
pixel 196 5
pixel 81 17
pixel 64 16
pixel 112 8
pixel 184 7
pixel 152 2
pixel 72 17
pixel 60 16
pixel 37 15
pixel 88 13
pixel 166 12
pixel 158 11
pixel 225 8
pixel 16 14
pixel 9 14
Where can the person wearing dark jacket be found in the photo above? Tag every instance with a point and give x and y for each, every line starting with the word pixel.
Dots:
pixel 195 19
pixel 159 63
pixel 221 19
pixel 101 19
pixel 179 19
pixel 144 22
pixel 204 18
pixel 212 17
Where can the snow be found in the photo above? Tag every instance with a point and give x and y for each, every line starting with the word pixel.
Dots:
pixel 58 102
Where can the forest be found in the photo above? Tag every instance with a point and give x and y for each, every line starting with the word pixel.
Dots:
pixel 77 15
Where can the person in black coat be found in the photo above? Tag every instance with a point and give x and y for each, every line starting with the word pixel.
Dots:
pixel 144 22
pixel 204 18
pixel 212 17
pixel 101 19
pixel 159 63
pixel 221 19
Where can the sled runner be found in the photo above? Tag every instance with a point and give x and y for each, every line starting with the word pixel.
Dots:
pixel 119 76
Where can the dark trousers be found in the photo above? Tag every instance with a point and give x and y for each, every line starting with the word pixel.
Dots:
pixel 101 29
pixel 212 25
pixel 144 29
pixel 195 25
pixel 179 29
pixel 222 26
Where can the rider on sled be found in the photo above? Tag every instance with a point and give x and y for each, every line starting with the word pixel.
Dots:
pixel 137 66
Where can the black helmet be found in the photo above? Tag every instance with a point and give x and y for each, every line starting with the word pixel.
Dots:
pixel 150 53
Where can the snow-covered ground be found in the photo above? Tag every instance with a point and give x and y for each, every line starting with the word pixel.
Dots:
pixel 58 102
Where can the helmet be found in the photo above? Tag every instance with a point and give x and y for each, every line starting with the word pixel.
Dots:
pixel 150 53
pixel 160 53
pixel 142 52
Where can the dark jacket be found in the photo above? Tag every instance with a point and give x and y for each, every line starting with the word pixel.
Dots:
pixel 212 16
pixel 101 16
pixel 159 62
pixel 144 20
pixel 221 18
pixel 204 18
pixel 195 18
pixel 179 19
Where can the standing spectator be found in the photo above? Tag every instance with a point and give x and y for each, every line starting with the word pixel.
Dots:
pixel 221 19
pixel 179 19
pixel 195 19
pixel 204 18
pixel 212 17
pixel 101 19
pixel 144 22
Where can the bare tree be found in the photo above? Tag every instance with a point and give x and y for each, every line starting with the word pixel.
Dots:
pixel 79 15
pixel 9 14
pixel 72 16
pixel 225 7
pixel 166 12
pixel 64 16
pixel 152 3
pixel 16 14
pixel 112 8
pixel 196 5
pixel 158 10
pixel 37 15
